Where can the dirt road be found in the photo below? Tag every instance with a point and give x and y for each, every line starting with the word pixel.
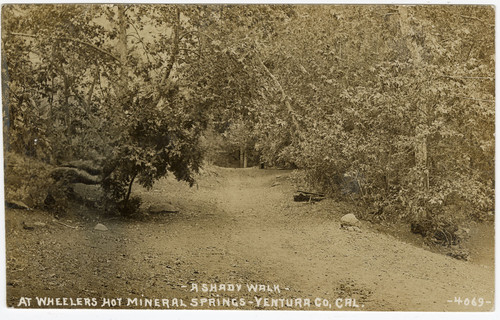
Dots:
pixel 237 227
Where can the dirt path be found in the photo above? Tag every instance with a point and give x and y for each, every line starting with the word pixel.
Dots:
pixel 239 226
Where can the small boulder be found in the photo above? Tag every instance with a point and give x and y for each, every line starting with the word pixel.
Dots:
pixel 100 227
pixel 39 224
pixel 349 220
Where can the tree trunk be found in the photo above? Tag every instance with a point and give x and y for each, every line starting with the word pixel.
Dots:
pixel 284 98
pixel 129 191
pixel 122 48
pixel 244 159
pixel 165 83
pixel 175 49
pixel 242 152
pixel 420 133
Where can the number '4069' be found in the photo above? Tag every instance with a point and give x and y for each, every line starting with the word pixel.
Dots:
pixel 475 302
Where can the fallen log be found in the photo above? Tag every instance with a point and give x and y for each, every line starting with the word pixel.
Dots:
pixel 162 208
pixel 313 193
pixel 16 205
pixel 85 165
pixel 66 225
pixel 302 197
pixel 74 175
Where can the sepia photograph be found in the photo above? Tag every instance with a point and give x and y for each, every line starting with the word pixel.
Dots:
pixel 259 157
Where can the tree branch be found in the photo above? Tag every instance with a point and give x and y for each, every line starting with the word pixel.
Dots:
pixel 23 97
pixel 462 77
pixel 476 99
pixel 91 89
pixel 90 45
pixel 477 19
pixel 148 55
pixel 284 97
pixel 175 50
pixel 194 31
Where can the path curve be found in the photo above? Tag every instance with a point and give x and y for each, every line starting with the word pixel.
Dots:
pixel 239 226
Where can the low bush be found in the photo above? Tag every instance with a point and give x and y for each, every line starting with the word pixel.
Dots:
pixel 29 181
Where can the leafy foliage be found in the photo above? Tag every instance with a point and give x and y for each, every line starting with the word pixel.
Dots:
pixel 391 106
pixel 380 101
pixel 29 182
pixel 60 104
pixel 366 105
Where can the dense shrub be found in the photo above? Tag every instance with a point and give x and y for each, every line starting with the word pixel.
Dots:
pixel 28 180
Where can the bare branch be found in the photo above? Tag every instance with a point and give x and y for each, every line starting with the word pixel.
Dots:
pixel 284 97
pixel 69 39
pixel 66 225
pixel 476 99
pixel 22 35
pixel 477 19
pixel 148 55
pixel 463 77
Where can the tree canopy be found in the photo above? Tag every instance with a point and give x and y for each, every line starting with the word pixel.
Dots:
pixel 399 99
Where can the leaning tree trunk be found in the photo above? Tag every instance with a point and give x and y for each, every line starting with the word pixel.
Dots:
pixel 129 191
pixel 164 83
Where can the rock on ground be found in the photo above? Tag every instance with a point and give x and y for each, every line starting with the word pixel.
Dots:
pixel 349 220
pixel 100 227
